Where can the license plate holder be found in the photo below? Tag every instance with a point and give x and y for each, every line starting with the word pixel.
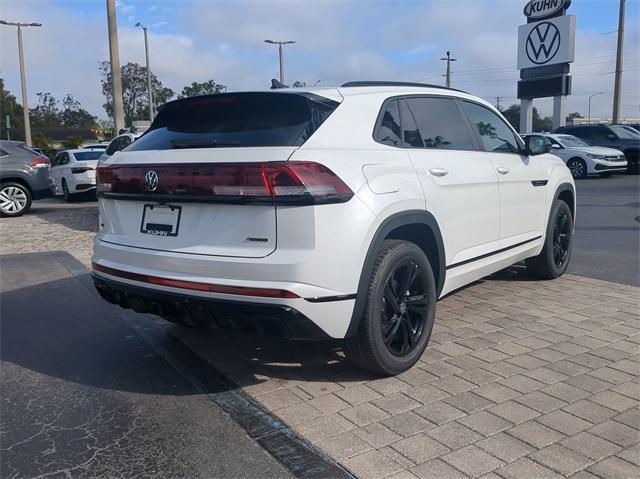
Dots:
pixel 160 220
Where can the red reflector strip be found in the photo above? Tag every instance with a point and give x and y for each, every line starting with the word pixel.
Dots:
pixel 194 286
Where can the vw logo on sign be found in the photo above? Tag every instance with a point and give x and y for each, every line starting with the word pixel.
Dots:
pixel 151 181
pixel 543 43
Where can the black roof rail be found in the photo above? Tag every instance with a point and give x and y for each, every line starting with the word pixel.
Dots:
pixel 396 83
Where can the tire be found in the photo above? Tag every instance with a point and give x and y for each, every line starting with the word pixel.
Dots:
pixel 15 199
pixel 65 192
pixel 403 315
pixel 554 258
pixel 577 167
pixel 633 166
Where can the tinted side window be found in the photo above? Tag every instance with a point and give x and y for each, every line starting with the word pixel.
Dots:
pixel 62 159
pixel 598 132
pixel 494 133
pixel 579 132
pixel 410 131
pixel 114 146
pixel 388 131
pixel 440 123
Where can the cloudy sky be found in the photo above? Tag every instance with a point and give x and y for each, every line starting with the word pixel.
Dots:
pixel 337 41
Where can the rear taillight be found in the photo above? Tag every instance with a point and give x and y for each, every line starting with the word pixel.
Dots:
pixel 294 182
pixel 80 169
pixel 40 162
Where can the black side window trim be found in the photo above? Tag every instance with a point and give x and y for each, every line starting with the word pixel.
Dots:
pixel 518 139
pixel 475 140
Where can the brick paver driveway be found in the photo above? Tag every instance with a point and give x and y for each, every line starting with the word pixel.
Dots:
pixel 527 379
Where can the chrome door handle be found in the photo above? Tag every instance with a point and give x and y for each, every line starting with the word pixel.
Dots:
pixel 438 171
pixel 503 170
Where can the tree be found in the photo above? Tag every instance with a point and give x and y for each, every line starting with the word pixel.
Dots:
pixel 299 84
pixel 209 87
pixel 46 113
pixel 512 114
pixel 49 114
pixel 9 106
pixel 72 142
pixel 45 144
pixel 135 98
pixel 74 116
pixel 573 116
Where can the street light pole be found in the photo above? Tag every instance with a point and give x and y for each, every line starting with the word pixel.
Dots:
pixel 146 51
pixel 23 77
pixel 589 108
pixel 114 58
pixel 280 54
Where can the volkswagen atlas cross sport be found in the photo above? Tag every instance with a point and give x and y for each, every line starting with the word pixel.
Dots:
pixel 327 213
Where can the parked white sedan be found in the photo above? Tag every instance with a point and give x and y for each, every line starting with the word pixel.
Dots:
pixel 74 171
pixel 581 158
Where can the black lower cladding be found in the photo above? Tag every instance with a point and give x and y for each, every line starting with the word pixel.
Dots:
pixel 600 167
pixel 250 318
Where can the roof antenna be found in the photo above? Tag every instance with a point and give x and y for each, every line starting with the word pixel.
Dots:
pixel 275 84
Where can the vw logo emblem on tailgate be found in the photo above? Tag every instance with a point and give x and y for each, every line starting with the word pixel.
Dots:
pixel 151 181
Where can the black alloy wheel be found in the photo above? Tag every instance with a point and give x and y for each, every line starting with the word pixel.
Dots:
pixel 555 255
pixel 404 308
pixel 399 310
pixel 561 238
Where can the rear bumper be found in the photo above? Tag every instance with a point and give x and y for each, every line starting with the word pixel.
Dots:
pixel 44 193
pixel 249 317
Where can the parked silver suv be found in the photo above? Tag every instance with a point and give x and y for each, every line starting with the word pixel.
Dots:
pixel 24 176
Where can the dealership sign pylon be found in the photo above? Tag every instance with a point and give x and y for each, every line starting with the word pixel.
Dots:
pixel 546 48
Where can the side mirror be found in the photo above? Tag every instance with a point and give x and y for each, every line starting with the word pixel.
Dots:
pixel 556 146
pixel 611 137
pixel 536 145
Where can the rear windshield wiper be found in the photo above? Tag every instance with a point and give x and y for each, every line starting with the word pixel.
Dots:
pixel 202 143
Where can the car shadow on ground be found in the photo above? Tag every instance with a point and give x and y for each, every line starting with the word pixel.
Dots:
pixel 62 328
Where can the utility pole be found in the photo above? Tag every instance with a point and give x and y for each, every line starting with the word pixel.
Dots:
pixel 146 51
pixel 280 55
pixel 498 102
pixel 618 80
pixel 448 59
pixel 23 77
pixel 114 57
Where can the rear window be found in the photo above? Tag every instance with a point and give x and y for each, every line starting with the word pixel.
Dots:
pixel 236 120
pixel 87 155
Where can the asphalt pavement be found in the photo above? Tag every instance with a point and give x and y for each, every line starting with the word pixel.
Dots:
pixel 607 237
pixel 83 395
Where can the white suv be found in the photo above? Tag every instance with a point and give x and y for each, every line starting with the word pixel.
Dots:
pixel 327 213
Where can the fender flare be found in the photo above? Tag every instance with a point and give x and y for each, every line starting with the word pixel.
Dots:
pixel 392 222
pixel 566 187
